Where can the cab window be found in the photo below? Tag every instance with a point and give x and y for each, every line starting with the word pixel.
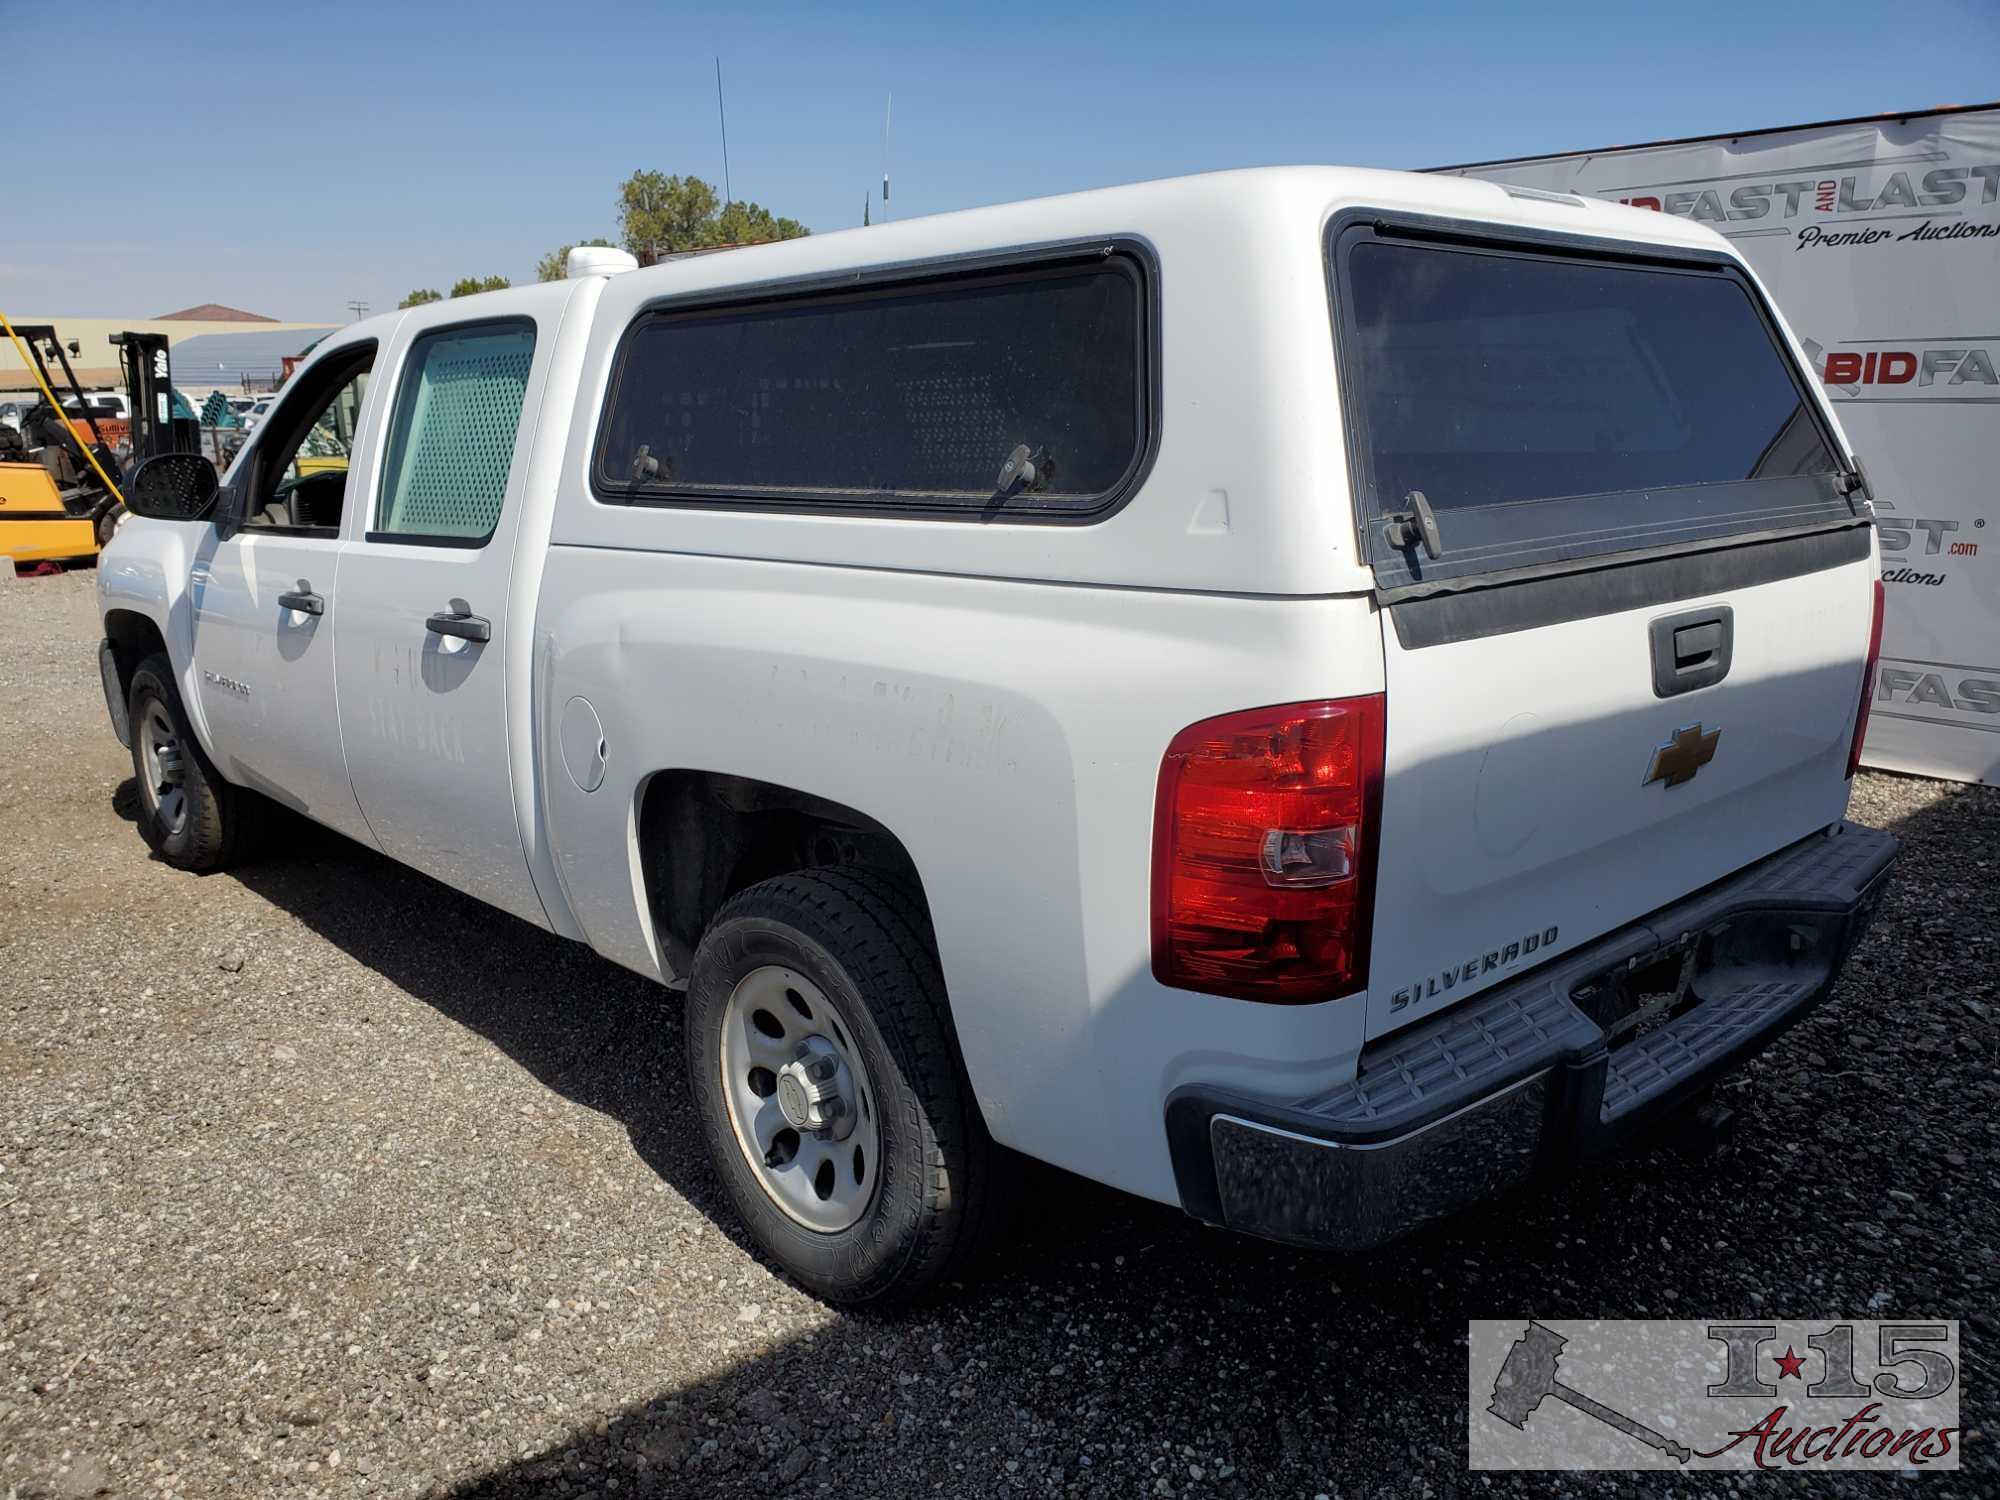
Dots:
pixel 298 481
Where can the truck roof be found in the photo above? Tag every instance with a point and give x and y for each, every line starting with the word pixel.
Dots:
pixel 1221 210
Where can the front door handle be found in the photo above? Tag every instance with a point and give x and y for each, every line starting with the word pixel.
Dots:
pixel 302 599
pixel 460 621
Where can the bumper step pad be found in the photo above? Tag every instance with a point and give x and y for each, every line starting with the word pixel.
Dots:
pixel 1651 1065
pixel 1465 1054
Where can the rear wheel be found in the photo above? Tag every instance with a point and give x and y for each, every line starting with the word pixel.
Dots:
pixel 188 815
pixel 830 1090
pixel 800 1100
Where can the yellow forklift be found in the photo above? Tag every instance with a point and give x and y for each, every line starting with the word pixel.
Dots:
pixel 60 471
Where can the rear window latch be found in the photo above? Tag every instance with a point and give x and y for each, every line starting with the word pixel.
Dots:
pixel 1025 469
pixel 649 467
pixel 1418 525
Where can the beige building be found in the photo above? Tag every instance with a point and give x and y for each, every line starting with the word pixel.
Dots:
pixel 96 360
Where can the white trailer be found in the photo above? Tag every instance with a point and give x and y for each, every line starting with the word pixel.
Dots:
pixel 1880 240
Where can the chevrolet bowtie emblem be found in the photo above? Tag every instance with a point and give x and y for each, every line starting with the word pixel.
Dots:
pixel 1683 755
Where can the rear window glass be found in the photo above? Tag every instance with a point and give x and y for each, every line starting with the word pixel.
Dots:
pixel 1495 378
pixel 911 397
pixel 1555 406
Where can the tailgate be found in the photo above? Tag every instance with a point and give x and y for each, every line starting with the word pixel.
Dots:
pixel 1518 819
pixel 1626 591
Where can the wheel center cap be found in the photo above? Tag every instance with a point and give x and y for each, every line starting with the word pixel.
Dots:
pixel 813 1087
pixel 792 1099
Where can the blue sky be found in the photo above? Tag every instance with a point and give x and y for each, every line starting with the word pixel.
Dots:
pixel 288 158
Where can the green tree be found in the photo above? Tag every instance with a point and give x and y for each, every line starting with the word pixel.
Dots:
pixel 743 223
pixel 466 286
pixel 658 214
pixel 420 296
pixel 550 267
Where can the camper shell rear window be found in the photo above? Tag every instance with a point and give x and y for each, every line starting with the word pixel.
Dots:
pixel 1557 400
pixel 905 397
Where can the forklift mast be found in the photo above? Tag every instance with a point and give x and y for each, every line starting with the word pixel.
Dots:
pixel 149 389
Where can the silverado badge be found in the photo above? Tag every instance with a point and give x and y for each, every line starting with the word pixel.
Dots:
pixel 1683 755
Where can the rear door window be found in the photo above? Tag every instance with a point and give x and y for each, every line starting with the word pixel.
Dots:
pixel 905 399
pixel 1553 407
pixel 451 440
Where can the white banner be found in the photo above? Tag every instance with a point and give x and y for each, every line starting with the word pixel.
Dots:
pixel 1880 240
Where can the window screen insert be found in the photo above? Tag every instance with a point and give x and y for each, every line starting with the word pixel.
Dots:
pixel 451 441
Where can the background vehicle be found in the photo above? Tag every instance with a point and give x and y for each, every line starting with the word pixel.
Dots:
pixel 97 403
pixel 1304 694
pixel 60 472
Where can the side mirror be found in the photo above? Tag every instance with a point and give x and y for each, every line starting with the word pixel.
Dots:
pixel 172 487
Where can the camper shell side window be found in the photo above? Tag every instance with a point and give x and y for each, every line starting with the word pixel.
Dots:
pixel 1018 391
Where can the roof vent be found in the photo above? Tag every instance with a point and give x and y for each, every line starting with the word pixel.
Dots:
pixel 597 260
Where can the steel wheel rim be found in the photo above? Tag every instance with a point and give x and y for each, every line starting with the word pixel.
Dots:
pixel 774 1023
pixel 163 775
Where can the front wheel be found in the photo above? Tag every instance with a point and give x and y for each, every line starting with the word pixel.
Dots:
pixel 830 1090
pixel 188 815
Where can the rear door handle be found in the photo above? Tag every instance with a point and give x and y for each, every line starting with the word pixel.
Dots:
pixel 460 621
pixel 1691 649
pixel 302 599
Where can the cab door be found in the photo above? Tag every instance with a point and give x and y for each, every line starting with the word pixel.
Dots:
pixel 426 635
pixel 263 591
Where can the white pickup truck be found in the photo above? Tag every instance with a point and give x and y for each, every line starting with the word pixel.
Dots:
pixel 1306 694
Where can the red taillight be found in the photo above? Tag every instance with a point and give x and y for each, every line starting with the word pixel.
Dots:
pixel 1867 683
pixel 1264 840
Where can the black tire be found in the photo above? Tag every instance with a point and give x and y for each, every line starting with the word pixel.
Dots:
pixel 944 1186
pixel 218 824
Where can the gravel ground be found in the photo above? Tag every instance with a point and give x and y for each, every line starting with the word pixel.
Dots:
pixel 317 1179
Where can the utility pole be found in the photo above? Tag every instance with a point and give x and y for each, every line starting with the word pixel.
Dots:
pixel 358 308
